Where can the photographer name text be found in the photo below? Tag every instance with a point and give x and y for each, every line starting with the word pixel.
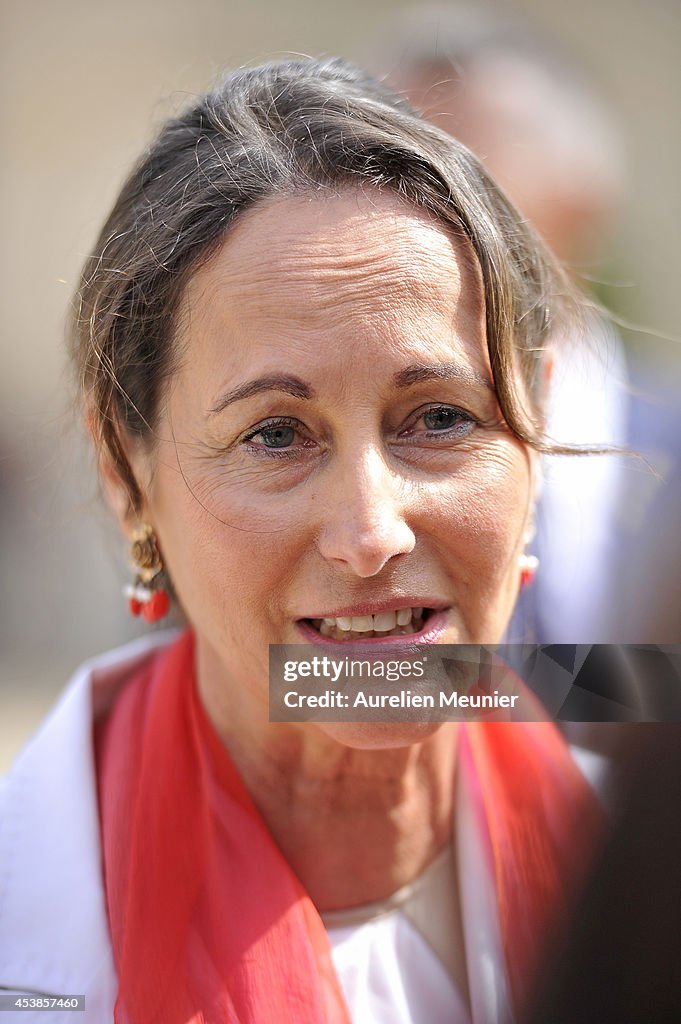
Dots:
pixel 400 699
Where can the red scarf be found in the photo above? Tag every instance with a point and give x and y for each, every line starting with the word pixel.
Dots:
pixel 209 925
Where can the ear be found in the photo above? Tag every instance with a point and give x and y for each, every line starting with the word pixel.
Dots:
pixel 113 485
pixel 116 494
pixel 543 384
pixel 548 374
pixel 537 478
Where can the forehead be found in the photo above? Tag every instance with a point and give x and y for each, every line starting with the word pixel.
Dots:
pixel 313 269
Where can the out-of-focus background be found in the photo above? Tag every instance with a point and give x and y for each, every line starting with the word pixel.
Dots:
pixel 83 88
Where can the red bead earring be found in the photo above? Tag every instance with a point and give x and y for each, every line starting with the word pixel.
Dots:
pixel 147 596
pixel 528 569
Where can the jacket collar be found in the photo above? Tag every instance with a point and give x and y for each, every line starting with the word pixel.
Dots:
pixel 53 923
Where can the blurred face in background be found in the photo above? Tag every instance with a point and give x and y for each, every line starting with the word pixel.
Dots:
pixel 549 148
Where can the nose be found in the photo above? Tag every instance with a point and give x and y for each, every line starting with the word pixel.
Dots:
pixel 365 525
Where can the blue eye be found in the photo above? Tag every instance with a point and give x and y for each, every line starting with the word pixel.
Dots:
pixel 447 420
pixel 442 418
pixel 277 437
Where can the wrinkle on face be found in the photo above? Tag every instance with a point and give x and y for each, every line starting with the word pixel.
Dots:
pixel 348 295
pixel 327 272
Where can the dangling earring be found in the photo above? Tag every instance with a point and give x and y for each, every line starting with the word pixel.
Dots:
pixel 528 568
pixel 529 563
pixel 147 596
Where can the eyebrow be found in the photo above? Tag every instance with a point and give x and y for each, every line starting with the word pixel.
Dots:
pixel 272 382
pixel 418 373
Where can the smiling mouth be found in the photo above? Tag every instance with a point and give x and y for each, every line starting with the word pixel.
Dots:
pixel 401 622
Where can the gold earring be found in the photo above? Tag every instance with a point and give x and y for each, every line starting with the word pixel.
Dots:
pixel 147 596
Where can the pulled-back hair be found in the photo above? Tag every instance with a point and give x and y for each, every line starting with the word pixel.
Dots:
pixel 277 130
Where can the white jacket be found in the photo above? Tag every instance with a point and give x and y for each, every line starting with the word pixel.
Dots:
pixel 54 937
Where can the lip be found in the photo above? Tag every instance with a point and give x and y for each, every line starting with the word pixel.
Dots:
pixel 375 607
pixel 431 632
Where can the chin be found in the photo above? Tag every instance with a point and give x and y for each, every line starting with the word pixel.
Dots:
pixel 379 735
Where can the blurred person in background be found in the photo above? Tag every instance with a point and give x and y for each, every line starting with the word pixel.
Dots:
pixel 520 104
pixel 620 962
pixel 608 535
pixel 312 341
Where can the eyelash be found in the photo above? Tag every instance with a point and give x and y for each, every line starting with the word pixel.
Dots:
pixel 291 452
pixel 276 453
pixel 461 414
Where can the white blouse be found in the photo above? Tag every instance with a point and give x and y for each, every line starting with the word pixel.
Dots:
pixel 401 960
pixel 404 960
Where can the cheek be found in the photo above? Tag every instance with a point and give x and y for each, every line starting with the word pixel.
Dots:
pixel 487 501
pixel 224 564
pixel 479 521
pixel 263 497
pixel 227 574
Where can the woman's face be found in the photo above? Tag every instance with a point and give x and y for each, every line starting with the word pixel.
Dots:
pixel 331 446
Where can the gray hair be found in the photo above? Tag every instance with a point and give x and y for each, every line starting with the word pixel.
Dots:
pixel 270 131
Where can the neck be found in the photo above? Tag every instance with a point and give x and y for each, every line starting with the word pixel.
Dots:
pixel 355 823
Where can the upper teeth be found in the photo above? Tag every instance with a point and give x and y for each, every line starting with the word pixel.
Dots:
pixel 382 622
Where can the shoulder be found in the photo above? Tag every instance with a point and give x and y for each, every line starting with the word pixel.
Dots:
pixel 53 924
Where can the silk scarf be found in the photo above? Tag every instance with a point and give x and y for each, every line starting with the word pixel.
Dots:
pixel 209 924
